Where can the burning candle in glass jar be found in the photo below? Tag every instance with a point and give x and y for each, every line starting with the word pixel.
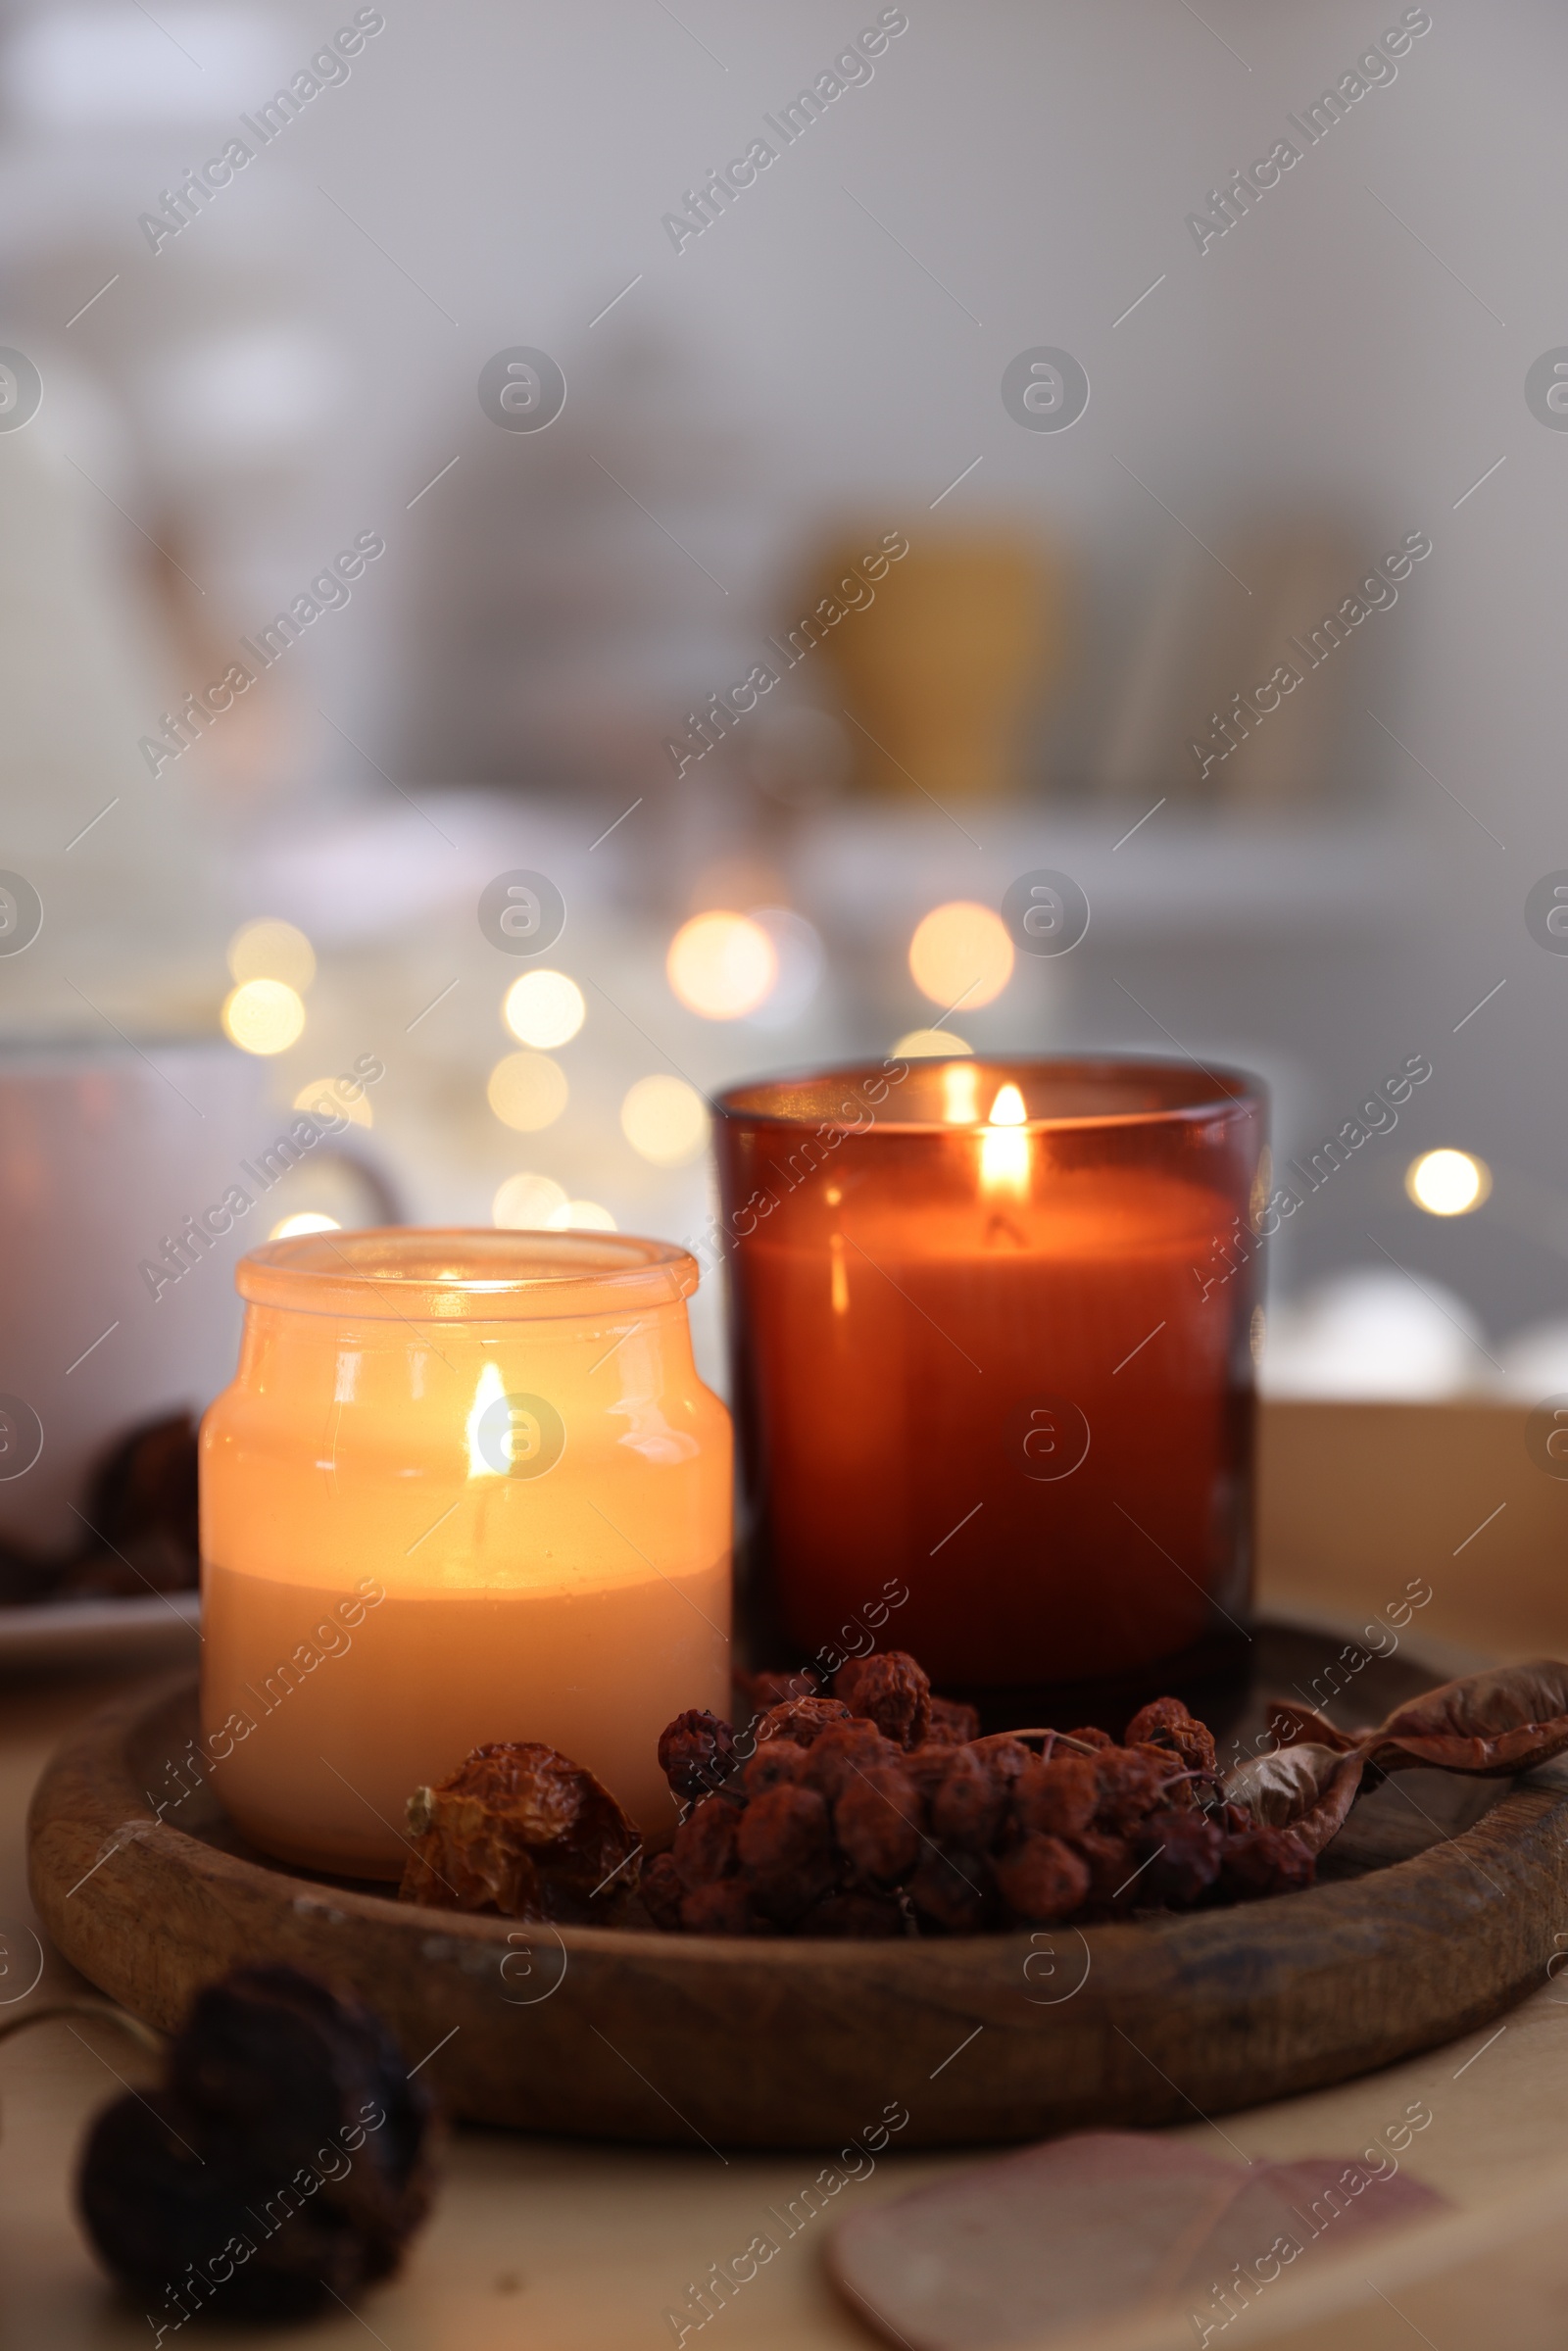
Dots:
pixel 465 1487
pixel 992 1331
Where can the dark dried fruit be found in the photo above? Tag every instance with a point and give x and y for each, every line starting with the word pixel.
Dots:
pixel 1043 1880
pixel 1182 1851
pixel 1264 1861
pixel 1056 1797
pixel 722 1908
pixel 662 1893
pixel 1130 1781
pixel 520 1829
pixel 877 1825
pixel 696 1753
pixel 968 1806
pixel 282 2163
pixel 1165 1722
pixel 786 1852
pixel 1089 1737
pixel 951 1722
pixel 890 1689
pixel 800 1719
pixel 704 1843
pixel 771 1766
pixel 844 1750
pixel 1110 1865
pixel 949 1890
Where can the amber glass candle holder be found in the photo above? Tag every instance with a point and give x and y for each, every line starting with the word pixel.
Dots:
pixel 994 1331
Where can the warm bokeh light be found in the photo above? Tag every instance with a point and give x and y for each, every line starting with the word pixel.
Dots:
pixel 1448 1183
pixel 960 953
pixel 580 1216
pixel 929 1045
pixel 272 950
pixel 665 1120
pixel 1007 1109
pixel 527 1091
pixel 721 965
pixel 262 1016
pixel 960 1095
pixel 544 1008
pixel 525 1203
pixel 324 1095
pixel 308 1221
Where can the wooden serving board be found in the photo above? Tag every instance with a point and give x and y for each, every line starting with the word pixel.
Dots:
pixel 1436 1911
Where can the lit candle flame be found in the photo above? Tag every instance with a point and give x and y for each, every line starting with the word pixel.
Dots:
pixel 490 1392
pixel 1005 1148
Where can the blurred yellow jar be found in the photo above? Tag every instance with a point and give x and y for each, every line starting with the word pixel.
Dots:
pixel 466 1486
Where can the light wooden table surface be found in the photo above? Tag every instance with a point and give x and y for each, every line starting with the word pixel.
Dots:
pixel 547 2245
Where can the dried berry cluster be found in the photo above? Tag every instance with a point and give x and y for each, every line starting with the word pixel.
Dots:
pixel 280 2165
pixel 878 1812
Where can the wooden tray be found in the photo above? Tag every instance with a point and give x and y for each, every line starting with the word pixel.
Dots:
pixel 1439 1912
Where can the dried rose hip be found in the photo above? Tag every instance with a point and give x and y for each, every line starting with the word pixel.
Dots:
pixel 1110 1865
pixel 1088 1736
pixel 520 1829
pixel 802 1719
pixel 950 1890
pixel 704 1843
pixel 1264 1861
pixel 281 2164
pixel 1165 1722
pixel 1056 1797
pixel 844 1750
pixel 953 1724
pixel 1130 1781
pixel 663 1892
pixel 967 1807
pixel 696 1753
pixel 786 1852
pixel 773 1765
pixel 1042 1879
pixel 1182 1851
pixel 877 1825
pixel 722 1908
pixel 890 1689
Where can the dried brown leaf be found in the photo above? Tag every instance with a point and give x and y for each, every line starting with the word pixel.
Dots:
pixel 1306 1788
pixel 1505 1720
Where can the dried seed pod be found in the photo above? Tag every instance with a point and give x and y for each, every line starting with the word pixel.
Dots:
pixel 1088 1736
pixel 696 1753
pixel 282 2164
pixel 968 1806
pixel 520 1829
pixel 1042 1879
pixel 1264 1861
pixel 890 1689
pixel 953 1724
pixel 704 1843
pixel 877 1825
pixel 662 1893
pixel 764 1690
pixel 786 1852
pixel 1056 1797
pixel 1182 1853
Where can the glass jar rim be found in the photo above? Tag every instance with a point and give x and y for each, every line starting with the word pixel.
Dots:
pixel 1194 1092
pixel 456 1273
